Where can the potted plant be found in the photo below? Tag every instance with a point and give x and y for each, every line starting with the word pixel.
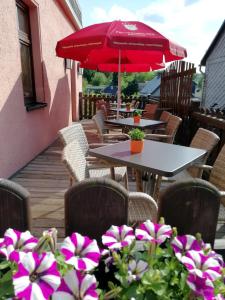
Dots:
pixel 149 262
pixel 137 115
pixel 128 105
pixel 137 142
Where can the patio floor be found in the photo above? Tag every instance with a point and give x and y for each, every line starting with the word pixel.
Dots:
pixel 46 178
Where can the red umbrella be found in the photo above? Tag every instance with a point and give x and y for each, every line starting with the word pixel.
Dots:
pixel 127 46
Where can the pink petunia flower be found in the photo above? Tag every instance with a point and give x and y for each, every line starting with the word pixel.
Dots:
pixel 202 265
pixel 37 277
pixel 16 243
pixel 202 287
pixel 81 252
pixel 184 243
pixel 156 233
pixel 76 285
pixel 118 237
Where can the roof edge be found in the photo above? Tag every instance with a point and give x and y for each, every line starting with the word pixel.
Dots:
pixel 212 45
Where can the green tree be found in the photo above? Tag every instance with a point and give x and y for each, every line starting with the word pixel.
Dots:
pixel 88 75
pixel 132 88
pixel 99 79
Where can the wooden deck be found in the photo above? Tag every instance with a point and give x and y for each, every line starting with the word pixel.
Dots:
pixel 46 178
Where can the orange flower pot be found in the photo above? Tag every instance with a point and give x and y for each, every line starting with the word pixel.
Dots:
pixel 136 146
pixel 137 119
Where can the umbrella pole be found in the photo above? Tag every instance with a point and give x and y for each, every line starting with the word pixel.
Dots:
pixel 119 86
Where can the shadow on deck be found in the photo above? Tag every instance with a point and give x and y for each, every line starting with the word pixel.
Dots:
pixel 46 178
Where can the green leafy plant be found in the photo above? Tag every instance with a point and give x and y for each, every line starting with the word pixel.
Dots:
pixel 137 112
pixel 136 134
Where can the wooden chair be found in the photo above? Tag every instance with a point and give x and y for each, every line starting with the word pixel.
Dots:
pixel 150 111
pixel 93 205
pixel 102 130
pixel 170 131
pixel 192 206
pixel 79 168
pixel 14 206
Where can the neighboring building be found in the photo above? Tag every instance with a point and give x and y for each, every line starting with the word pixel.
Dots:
pixel 110 90
pixel 152 87
pixel 38 94
pixel 214 61
pixel 92 89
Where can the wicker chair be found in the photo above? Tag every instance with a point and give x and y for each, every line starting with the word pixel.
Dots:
pixel 102 129
pixel 170 131
pixel 76 132
pixel 150 111
pixel 79 168
pixel 192 206
pixel 165 115
pixel 93 205
pixel 14 206
pixel 217 173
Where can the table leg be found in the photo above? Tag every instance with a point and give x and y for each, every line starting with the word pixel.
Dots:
pixel 157 188
pixel 139 185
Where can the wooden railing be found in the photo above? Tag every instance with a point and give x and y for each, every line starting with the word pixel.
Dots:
pixel 87 103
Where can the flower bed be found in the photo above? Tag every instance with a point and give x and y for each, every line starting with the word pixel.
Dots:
pixel 167 266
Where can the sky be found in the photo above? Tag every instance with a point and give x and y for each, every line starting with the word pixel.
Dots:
pixel 191 23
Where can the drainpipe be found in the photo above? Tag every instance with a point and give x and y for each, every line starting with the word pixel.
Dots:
pixel 203 86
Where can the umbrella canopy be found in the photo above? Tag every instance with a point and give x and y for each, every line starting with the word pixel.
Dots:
pixel 120 46
pixel 139 44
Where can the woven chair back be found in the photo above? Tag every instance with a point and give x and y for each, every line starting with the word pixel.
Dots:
pixel 99 123
pixel 206 140
pixel 165 115
pixel 150 110
pixel 72 133
pixel 172 127
pixel 217 176
pixel 192 207
pixel 75 162
pixel 14 207
pixel 93 205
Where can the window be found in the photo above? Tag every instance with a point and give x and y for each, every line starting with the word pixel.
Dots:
pixel 26 53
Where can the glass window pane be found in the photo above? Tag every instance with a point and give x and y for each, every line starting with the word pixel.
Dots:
pixel 27 72
pixel 23 20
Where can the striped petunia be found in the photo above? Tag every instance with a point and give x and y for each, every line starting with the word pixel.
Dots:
pixel 3 249
pixel 117 237
pixel 184 243
pixel 156 233
pixel 136 269
pixel 80 252
pixel 17 243
pixel 202 265
pixel 37 277
pixel 76 285
pixel 201 287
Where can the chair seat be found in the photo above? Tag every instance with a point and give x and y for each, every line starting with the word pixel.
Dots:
pixel 119 173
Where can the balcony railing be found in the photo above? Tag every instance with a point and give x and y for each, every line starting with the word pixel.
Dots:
pixel 76 11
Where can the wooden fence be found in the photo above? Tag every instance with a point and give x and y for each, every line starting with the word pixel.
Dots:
pixel 176 87
pixel 87 103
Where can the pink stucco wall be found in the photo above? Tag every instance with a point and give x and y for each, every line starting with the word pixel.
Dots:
pixel 25 134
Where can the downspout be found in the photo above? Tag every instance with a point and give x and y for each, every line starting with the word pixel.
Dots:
pixel 203 86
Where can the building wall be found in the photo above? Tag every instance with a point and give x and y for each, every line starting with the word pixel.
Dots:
pixel 214 89
pixel 24 134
